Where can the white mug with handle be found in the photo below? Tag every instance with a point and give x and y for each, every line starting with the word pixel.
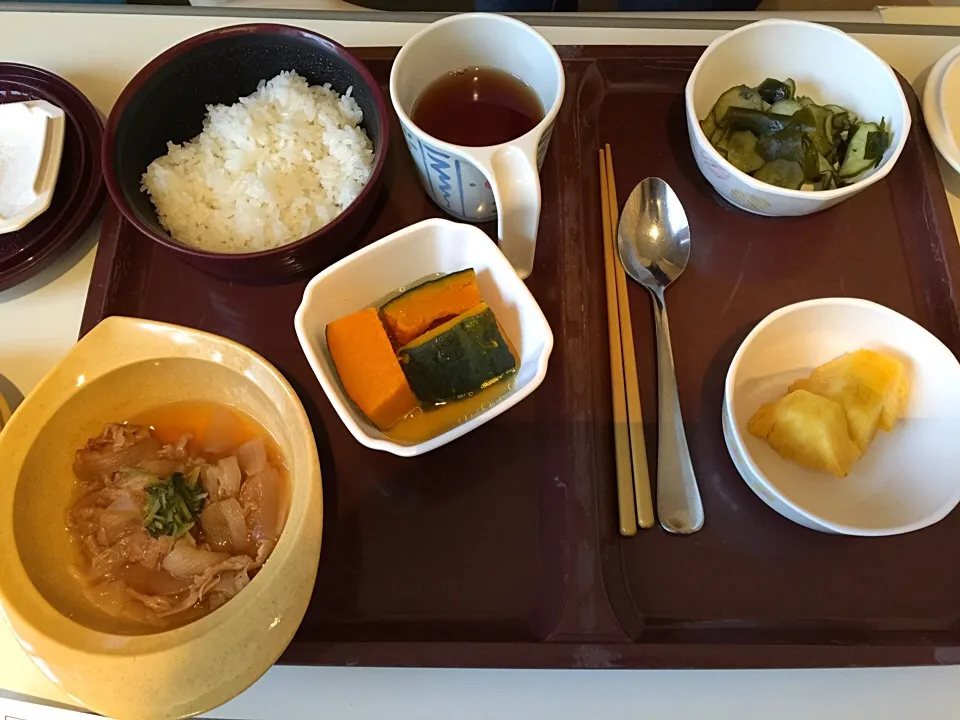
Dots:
pixel 483 182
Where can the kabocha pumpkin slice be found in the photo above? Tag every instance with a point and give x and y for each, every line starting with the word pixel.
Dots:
pixel 414 312
pixel 368 368
pixel 460 357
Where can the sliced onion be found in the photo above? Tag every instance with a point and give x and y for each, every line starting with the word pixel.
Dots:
pixel 222 480
pixel 232 582
pixel 154 603
pixel 153 582
pixel 203 584
pixel 187 602
pixel 161 467
pixel 223 433
pixel 227 587
pixel 210 478
pixel 134 480
pixel 91 463
pixel 224 527
pixel 115 524
pixel 111 597
pixel 187 562
pixel 122 515
pixel 230 481
pixel 260 498
pixel 252 456
pixel 105 563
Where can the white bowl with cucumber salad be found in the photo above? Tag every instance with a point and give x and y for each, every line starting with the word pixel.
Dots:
pixel 855 117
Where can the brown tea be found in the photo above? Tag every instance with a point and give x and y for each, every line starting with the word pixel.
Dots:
pixel 476 107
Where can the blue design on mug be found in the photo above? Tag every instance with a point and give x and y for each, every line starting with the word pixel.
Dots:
pixel 440 180
pixel 463 207
pixel 452 182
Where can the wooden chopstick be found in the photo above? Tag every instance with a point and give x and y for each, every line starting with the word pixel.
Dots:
pixel 621 432
pixel 638 447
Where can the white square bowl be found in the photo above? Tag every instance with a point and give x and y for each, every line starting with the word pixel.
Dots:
pixel 400 260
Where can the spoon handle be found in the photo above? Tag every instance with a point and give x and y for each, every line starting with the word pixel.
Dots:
pixel 678 498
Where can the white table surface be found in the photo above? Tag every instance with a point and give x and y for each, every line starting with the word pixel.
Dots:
pixel 39 321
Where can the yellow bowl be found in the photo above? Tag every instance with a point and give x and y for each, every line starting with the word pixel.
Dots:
pixel 4 412
pixel 121 368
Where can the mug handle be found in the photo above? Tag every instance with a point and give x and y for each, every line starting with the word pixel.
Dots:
pixel 515 181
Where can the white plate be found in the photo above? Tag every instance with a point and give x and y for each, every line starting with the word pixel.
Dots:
pixel 31 144
pixel 941 107
pixel 909 478
pixel 370 274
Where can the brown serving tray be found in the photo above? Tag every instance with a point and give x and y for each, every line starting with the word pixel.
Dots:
pixel 501 549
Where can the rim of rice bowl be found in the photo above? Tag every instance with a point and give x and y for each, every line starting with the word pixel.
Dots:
pixel 325 44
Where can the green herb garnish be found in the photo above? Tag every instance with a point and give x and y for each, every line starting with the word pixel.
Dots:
pixel 173 505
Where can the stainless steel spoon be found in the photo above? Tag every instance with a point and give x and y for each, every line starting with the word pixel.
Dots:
pixel 654 244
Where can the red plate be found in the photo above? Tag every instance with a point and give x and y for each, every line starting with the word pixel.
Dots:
pixel 79 191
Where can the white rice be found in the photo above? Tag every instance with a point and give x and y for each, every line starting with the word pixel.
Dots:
pixel 265 171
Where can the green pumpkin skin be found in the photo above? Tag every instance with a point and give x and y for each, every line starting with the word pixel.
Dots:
pixel 458 358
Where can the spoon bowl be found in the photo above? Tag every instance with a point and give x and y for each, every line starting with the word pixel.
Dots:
pixel 653 241
pixel 654 235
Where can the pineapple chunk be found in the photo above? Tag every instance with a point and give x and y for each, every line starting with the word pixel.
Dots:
pixel 861 404
pixel 875 372
pixel 808 429
pixel 903 390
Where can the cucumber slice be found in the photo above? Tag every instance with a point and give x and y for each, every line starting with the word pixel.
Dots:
pixel 843 121
pixel 791 144
pixel 741 151
pixel 822 135
pixel 784 145
pixel 740 96
pixel 803 144
pixel 708 125
pixel 828 179
pixel 756 121
pixel 782 173
pixel 786 107
pixel 855 160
